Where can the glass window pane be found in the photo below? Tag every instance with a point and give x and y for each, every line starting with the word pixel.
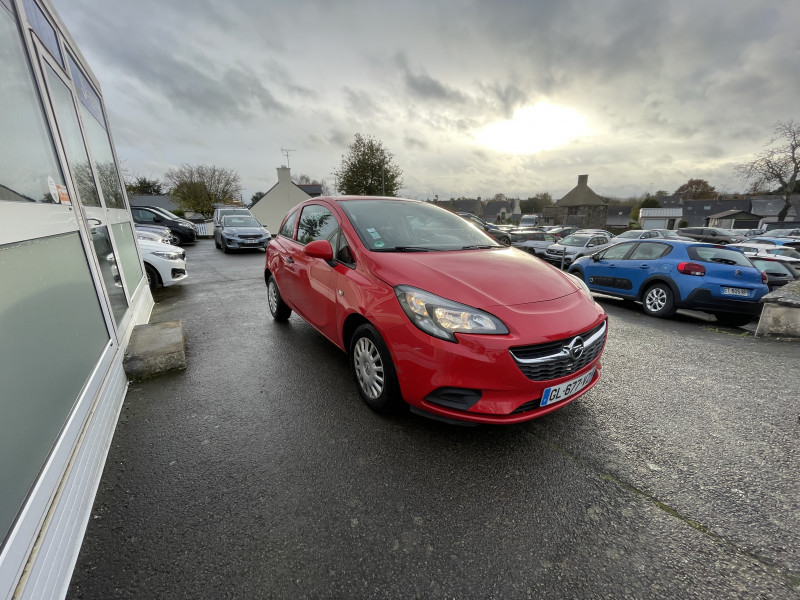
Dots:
pixel 67 119
pixel 97 137
pixel 316 223
pixel 53 333
pixel 128 258
pixel 109 270
pixel 27 157
pixel 39 23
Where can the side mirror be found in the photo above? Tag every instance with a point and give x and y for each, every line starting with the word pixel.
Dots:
pixel 595 258
pixel 319 249
pixel 158 219
pixel 590 245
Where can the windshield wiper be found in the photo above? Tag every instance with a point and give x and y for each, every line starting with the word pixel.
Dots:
pixel 405 249
pixel 480 247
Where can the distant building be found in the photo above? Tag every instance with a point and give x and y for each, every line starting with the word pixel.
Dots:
pixel 580 207
pixel 281 197
pixel 660 218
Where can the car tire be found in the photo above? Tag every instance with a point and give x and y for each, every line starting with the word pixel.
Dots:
pixel 658 301
pixel 374 371
pixel 277 307
pixel 152 277
pixel 216 243
pixel 578 273
pixel 505 240
pixel 733 319
pixel 223 245
pixel 175 240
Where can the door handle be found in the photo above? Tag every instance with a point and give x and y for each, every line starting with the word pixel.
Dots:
pixel 288 259
pixel 644 266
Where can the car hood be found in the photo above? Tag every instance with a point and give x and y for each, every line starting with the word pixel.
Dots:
pixel 479 278
pixel 148 246
pixel 246 230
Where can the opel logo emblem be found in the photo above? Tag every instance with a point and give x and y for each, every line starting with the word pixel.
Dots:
pixel 575 348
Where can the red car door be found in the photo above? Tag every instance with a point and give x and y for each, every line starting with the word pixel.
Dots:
pixel 307 283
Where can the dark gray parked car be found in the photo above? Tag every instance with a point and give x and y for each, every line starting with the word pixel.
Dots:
pixel 711 235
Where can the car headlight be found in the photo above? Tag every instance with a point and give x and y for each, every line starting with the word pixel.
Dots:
pixel 167 255
pixel 581 286
pixel 443 318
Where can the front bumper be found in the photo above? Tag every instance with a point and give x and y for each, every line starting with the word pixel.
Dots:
pixel 240 244
pixel 477 379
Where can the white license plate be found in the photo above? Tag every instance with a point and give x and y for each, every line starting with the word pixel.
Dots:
pixel 735 291
pixel 565 390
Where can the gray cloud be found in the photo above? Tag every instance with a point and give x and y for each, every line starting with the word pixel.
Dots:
pixel 673 90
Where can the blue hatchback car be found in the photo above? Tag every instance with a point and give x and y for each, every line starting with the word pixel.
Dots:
pixel 665 275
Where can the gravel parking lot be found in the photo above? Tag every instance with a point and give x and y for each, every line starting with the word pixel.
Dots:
pixel 258 473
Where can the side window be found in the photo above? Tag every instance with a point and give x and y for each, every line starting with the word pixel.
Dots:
pixel 142 216
pixel 341 249
pixel 616 252
pixel 316 223
pixel 549 238
pixel 649 251
pixel 287 229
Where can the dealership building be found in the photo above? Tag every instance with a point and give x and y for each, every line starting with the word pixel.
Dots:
pixel 72 290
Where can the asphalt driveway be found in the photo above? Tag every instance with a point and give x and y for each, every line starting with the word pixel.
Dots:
pixel 258 473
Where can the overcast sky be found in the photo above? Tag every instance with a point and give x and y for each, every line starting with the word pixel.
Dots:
pixel 473 97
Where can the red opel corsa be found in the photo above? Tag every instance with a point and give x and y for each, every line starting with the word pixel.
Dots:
pixel 433 311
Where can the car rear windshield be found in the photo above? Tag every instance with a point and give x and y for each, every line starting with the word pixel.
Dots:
pixel 717 254
pixel 771 267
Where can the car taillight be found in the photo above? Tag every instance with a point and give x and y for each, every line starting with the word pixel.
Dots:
pixel 690 268
pixel 764 277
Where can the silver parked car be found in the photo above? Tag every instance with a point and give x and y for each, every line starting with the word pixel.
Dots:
pixel 532 241
pixel 574 246
pixel 237 232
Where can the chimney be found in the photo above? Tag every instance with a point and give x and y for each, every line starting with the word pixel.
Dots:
pixel 583 180
pixel 284 175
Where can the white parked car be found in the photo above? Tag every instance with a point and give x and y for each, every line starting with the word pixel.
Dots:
pixel 784 253
pixel 164 264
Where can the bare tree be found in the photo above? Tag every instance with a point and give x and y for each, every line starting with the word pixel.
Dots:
pixel 199 188
pixel 778 164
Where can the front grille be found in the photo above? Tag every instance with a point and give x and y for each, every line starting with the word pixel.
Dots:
pixel 553 360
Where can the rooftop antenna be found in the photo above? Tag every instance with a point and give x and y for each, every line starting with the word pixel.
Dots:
pixel 285 152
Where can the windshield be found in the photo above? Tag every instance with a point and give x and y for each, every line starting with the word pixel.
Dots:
pixel 409 225
pixel 239 221
pixel 575 240
pixel 164 211
pixel 633 234
pixel 668 233
pixel 782 232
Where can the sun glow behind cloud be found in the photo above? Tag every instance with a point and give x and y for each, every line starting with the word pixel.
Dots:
pixel 535 128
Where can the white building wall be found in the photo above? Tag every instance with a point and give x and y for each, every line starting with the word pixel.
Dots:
pixel 271 209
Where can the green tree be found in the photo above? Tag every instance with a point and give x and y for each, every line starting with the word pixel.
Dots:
pixel 142 186
pixel 696 189
pixel 199 188
pixel 650 202
pixel 660 193
pixel 778 164
pixel 256 197
pixel 368 169
pixel 536 204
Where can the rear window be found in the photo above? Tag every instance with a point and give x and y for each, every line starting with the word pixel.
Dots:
pixel 714 254
pixel 772 267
